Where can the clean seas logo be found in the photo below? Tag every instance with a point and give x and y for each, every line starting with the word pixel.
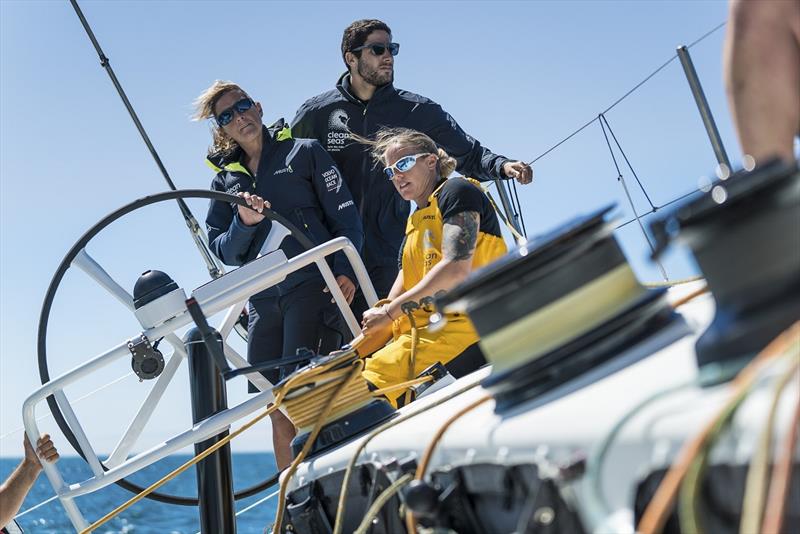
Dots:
pixel 338 130
pixel 338 120
pixel 286 169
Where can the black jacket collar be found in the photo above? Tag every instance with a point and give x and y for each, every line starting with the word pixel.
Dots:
pixel 272 135
pixel 381 93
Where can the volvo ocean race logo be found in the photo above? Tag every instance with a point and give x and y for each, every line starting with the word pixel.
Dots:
pixel 338 130
pixel 333 180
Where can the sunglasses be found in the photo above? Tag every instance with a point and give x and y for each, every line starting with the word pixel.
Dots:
pixel 404 164
pixel 379 49
pixel 225 116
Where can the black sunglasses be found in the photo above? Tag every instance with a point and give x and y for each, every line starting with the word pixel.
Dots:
pixel 226 115
pixel 379 49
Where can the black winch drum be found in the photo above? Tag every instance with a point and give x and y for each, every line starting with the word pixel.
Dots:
pixel 745 236
pixel 556 307
pixel 345 427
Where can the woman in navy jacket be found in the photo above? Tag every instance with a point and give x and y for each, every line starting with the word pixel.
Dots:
pixel 299 180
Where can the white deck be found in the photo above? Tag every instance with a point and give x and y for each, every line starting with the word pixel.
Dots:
pixel 572 419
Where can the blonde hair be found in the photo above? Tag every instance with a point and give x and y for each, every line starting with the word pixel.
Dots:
pixel 204 109
pixel 387 138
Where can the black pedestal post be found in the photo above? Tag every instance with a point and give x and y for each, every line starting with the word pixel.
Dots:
pixel 214 479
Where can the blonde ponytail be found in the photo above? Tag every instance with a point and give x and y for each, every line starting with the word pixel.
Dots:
pixel 446 164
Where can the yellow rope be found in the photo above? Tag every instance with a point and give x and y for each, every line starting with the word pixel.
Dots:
pixel 402 385
pixel 660 506
pixel 355 373
pixel 412 361
pixel 517 236
pixel 757 481
pixel 304 410
pixel 327 373
pixel 379 502
pixel 671 283
pixel 781 477
pixel 121 508
pixel 691 296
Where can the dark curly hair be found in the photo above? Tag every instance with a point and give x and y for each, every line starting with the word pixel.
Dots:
pixel 356 34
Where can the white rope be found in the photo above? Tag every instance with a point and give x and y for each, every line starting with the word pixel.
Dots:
pixel 42 418
pixel 7 434
pixel 265 499
pixel 260 501
pixel 32 508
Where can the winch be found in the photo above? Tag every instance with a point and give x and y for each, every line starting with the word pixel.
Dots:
pixel 556 307
pixel 745 236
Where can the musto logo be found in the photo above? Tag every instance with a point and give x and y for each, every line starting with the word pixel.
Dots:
pixel 338 131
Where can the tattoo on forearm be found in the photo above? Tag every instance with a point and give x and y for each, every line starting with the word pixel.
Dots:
pixel 460 235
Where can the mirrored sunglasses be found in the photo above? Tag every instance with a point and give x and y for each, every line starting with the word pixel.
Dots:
pixel 225 116
pixel 404 164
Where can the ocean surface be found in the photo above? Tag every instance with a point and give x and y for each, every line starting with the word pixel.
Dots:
pixel 146 516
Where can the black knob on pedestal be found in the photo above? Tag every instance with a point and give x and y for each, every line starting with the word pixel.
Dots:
pixel 151 285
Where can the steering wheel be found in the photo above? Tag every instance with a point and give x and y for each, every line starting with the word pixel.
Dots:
pixel 78 249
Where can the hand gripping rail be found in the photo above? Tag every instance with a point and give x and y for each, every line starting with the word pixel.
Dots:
pixel 213 297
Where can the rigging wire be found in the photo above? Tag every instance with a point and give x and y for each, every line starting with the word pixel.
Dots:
pixel 664 205
pixel 36 506
pixel 601 118
pixel 253 505
pixel 604 120
pixel 627 94
pixel 87 395
pixel 517 207
pixel 621 180
pixel 213 265
pixel 260 501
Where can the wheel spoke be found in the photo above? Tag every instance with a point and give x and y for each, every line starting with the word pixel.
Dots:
pixel 123 448
pixel 87 264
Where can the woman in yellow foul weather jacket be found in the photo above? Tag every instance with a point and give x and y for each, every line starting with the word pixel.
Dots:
pixel 453 231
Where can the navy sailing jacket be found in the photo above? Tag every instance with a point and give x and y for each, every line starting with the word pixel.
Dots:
pixel 330 116
pixel 302 183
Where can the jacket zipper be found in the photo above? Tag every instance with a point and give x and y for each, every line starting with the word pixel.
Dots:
pixel 302 219
pixel 364 166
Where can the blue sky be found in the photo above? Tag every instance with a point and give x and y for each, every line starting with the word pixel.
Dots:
pixel 519 76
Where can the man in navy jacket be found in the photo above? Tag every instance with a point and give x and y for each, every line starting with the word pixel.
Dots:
pixel 365 100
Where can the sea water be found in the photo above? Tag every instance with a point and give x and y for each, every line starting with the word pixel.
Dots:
pixel 146 516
